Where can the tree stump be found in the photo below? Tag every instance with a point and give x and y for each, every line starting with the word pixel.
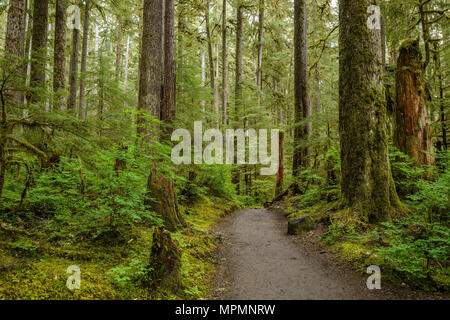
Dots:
pixel 165 262
pixel 412 134
pixel 161 198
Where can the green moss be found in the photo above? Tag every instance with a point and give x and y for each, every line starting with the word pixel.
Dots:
pixel 36 268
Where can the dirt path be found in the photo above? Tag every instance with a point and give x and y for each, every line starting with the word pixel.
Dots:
pixel 259 261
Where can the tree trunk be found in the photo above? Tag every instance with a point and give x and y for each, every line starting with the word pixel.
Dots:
pixel 14 44
pixel 127 59
pixel 162 199
pixel 259 68
pixel 302 107
pixel 39 48
pixel 367 184
pixel 168 110
pixel 280 174
pixel 150 68
pixel 73 72
pixel 412 133
pixel 82 102
pixel 210 54
pixel 59 55
pixel 238 86
pixel 165 262
pixel 119 48
pixel 224 63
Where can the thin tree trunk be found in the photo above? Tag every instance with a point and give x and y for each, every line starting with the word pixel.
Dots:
pixel 82 102
pixel 210 54
pixel 73 72
pixel 39 48
pixel 14 47
pixel 259 68
pixel 366 183
pixel 127 58
pixel 280 174
pixel 150 68
pixel 224 63
pixel 302 108
pixel 203 102
pixel 119 48
pixel 238 89
pixel 59 55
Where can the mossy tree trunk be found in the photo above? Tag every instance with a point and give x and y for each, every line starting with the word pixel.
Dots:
pixel 412 134
pixel 165 262
pixel 82 102
pixel 367 184
pixel 162 199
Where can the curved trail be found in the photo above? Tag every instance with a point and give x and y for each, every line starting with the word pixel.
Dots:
pixel 259 261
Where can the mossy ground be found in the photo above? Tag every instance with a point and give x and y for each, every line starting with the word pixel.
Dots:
pixel 32 267
pixel 355 243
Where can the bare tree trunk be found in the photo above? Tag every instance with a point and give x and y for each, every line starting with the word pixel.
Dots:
pixel 238 85
pixel 127 59
pixel 280 174
pixel 168 111
pixel 82 104
pixel 73 72
pixel 259 68
pixel 119 48
pixel 302 107
pixel 224 63
pixel 210 55
pixel 14 45
pixel 59 55
pixel 150 67
pixel 412 134
pixel 203 102
pixel 39 48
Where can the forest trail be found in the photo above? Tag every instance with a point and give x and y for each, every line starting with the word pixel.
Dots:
pixel 259 261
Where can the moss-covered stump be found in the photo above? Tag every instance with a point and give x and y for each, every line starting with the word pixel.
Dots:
pixel 165 262
pixel 162 199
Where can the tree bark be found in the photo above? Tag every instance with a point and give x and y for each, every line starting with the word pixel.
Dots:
pixel 165 262
pixel 224 63
pixel 302 107
pixel 168 111
pixel 150 68
pixel 259 68
pixel 162 199
pixel 82 102
pixel 119 48
pixel 210 55
pixel 14 44
pixel 59 55
pixel 39 48
pixel 73 72
pixel 280 174
pixel 367 184
pixel 412 134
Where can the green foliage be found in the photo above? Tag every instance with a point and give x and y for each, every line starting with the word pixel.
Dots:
pixel 406 175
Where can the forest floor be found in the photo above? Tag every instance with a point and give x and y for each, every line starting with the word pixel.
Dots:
pixel 257 260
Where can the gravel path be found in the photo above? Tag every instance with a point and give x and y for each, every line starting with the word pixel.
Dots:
pixel 259 261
